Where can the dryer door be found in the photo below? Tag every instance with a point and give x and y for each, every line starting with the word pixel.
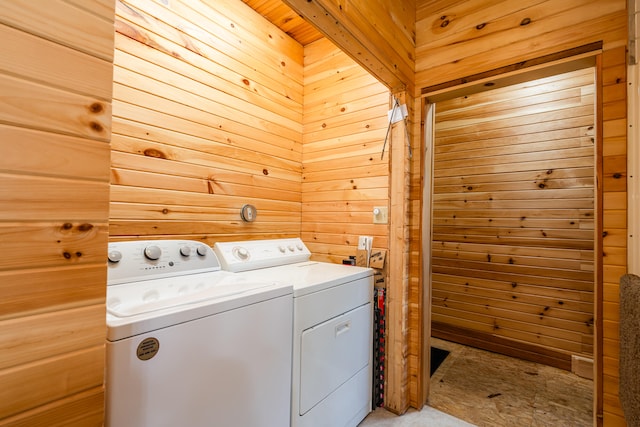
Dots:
pixel 331 353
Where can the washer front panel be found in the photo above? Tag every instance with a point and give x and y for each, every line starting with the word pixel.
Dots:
pixel 137 260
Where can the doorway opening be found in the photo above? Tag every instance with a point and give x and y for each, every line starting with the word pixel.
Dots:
pixel 514 216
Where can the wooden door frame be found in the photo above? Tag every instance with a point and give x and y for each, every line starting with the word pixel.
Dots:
pixel 590 56
pixel 426 232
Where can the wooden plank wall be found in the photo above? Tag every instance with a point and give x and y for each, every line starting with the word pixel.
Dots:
pixel 56 63
pixel 461 38
pixel 513 218
pixel 344 176
pixel 207 117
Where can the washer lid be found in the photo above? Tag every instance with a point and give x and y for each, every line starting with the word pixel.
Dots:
pixel 132 299
pixel 134 308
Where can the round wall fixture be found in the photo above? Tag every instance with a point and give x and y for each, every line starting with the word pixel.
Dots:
pixel 248 213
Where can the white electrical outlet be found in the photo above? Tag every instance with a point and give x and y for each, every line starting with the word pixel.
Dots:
pixel 364 242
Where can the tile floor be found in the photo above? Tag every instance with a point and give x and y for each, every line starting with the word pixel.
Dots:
pixel 428 416
pixel 490 390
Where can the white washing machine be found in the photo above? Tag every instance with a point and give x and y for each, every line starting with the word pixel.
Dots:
pixel 191 345
pixel 333 328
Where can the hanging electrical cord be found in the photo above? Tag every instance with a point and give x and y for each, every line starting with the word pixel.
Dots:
pixel 406 135
pixel 396 105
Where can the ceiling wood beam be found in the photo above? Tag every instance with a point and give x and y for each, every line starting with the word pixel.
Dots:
pixel 349 29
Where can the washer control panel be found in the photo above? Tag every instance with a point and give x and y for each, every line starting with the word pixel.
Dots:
pixel 254 254
pixel 138 260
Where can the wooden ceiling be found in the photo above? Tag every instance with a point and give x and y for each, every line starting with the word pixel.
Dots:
pixel 281 15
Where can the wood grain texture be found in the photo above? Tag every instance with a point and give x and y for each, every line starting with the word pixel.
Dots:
pixel 207 117
pixel 87 27
pixel 65 287
pixel 508 219
pixel 530 30
pixel 44 381
pixel 614 228
pixel 55 108
pixel 398 398
pixel 378 35
pixel 34 338
pixel 453 40
pixel 63 72
pixel 79 410
pixel 34 105
pixel 286 19
pixel 84 26
pixel 345 120
pixel 61 155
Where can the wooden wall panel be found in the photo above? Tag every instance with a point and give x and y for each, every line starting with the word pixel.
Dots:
pixel 505 213
pixel 489 34
pixel 461 38
pixel 344 177
pixel 55 111
pixel 207 117
pixel 614 223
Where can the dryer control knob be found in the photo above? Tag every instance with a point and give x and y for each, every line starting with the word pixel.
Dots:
pixel 114 256
pixel 290 247
pixel 242 253
pixel 202 250
pixel 185 251
pixel 152 252
pixel 281 248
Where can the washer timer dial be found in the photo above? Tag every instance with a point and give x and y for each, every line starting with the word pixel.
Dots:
pixel 152 252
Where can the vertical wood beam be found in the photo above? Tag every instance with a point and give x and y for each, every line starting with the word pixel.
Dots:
pixel 598 374
pixel 396 395
pixel 427 116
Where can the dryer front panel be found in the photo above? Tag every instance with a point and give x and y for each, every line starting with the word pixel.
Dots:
pixel 333 352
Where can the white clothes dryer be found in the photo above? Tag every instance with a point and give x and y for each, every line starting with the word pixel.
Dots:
pixel 191 345
pixel 332 323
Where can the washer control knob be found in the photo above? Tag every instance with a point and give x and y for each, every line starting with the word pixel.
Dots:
pixel 290 247
pixel 114 256
pixel 201 250
pixel 185 251
pixel 152 252
pixel 282 248
pixel 299 246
